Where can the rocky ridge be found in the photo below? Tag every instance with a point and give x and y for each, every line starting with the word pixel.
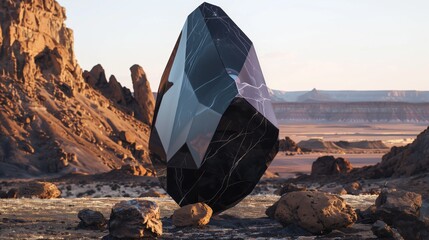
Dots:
pixel 409 160
pixel 52 119
pixel 141 105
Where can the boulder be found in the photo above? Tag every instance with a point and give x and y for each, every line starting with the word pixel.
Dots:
pixel 127 137
pixel 42 190
pixel 329 165
pixel 197 214
pixel 401 210
pixel 399 201
pixel 315 212
pixel 367 216
pixel 384 231
pixel 135 219
pixel 408 160
pixel 92 220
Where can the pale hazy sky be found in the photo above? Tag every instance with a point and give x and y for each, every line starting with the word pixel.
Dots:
pixel 301 44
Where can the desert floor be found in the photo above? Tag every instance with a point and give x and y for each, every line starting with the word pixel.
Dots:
pixel 57 219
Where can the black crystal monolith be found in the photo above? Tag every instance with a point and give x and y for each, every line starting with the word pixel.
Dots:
pixel 214 132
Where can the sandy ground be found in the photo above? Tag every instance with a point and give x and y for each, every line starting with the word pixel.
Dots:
pixel 57 219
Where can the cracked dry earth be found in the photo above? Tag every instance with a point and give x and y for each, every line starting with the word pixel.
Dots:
pixel 57 219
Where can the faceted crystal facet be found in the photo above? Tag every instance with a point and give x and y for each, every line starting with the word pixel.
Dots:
pixel 214 132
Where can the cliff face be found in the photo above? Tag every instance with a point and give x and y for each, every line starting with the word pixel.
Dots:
pixel 36 44
pixel 52 121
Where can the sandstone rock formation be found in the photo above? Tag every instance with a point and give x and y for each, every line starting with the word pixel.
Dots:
pixel 143 93
pixel 135 220
pixel 407 161
pixel 36 44
pixel 198 214
pixel 141 105
pixel 42 190
pixel 329 165
pixel 316 212
pixel 52 120
pixel 401 210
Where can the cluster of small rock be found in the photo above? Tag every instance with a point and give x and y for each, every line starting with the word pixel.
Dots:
pixel 138 219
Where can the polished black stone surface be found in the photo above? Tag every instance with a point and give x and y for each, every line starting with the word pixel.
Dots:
pixel 214 132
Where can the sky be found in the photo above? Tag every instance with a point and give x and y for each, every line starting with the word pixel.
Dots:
pixel 301 44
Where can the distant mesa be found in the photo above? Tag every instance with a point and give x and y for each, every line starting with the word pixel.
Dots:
pixel 351 106
pixel 318 145
pixel 316 95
